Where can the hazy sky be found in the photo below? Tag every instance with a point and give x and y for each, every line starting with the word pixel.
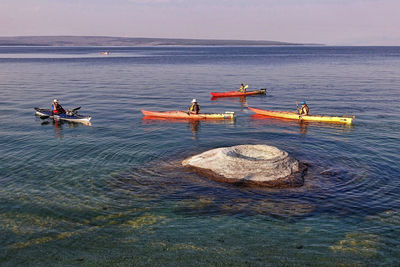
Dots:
pixel 336 22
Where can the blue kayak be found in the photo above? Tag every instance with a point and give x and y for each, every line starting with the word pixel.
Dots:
pixel 71 116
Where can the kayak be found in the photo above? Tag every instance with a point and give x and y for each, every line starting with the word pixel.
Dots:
pixel 72 117
pixel 185 115
pixel 237 93
pixel 153 119
pixel 296 116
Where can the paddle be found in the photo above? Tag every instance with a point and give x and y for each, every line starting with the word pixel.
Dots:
pixel 47 116
pixel 42 117
pixel 72 112
pixel 298 111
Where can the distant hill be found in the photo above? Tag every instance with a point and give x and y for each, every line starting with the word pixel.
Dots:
pixel 124 41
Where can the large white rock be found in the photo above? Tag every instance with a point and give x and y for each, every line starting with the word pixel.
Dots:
pixel 249 164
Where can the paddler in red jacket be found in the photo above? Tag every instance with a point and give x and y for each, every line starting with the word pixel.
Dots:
pixel 195 108
pixel 56 108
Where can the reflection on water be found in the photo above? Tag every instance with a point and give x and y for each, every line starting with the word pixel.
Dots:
pixel 116 193
pixel 257 119
pixel 155 120
pixel 241 99
pixel 60 124
pixel 193 124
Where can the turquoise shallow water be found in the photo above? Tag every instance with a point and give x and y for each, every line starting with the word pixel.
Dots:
pixel 114 192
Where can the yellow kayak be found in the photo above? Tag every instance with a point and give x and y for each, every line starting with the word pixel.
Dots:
pixel 296 116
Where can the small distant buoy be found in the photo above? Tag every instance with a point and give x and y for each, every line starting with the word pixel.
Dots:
pixel 104 53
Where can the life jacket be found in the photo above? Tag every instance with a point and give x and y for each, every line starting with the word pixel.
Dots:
pixel 57 108
pixel 304 110
pixel 195 107
pixel 54 109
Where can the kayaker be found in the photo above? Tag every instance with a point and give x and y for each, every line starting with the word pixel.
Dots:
pixel 243 88
pixel 195 108
pixel 304 110
pixel 56 108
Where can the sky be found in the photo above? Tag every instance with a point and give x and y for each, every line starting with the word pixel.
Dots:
pixel 331 22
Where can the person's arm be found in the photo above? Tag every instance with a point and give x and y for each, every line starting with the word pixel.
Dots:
pixel 61 109
pixel 53 109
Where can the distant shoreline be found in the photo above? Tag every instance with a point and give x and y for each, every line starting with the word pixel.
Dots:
pixel 105 41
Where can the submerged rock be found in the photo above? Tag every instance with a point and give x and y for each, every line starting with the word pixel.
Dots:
pixel 249 165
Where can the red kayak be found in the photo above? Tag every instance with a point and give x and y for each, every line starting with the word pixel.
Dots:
pixel 237 93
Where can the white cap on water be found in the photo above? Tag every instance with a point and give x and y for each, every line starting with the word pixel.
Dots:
pixel 194 100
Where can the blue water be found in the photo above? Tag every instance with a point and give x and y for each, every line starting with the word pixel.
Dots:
pixel 115 193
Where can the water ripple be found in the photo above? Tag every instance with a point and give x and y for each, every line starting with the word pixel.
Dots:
pixel 85 194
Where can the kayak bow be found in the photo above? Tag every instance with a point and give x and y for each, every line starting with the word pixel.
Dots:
pixel 185 115
pixel 237 93
pixel 296 116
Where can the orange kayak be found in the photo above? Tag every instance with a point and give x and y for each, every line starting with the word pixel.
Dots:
pixel 178 114
pixel 296 116
pixel 237 93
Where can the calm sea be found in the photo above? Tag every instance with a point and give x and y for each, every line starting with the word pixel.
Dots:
pixel 115 193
